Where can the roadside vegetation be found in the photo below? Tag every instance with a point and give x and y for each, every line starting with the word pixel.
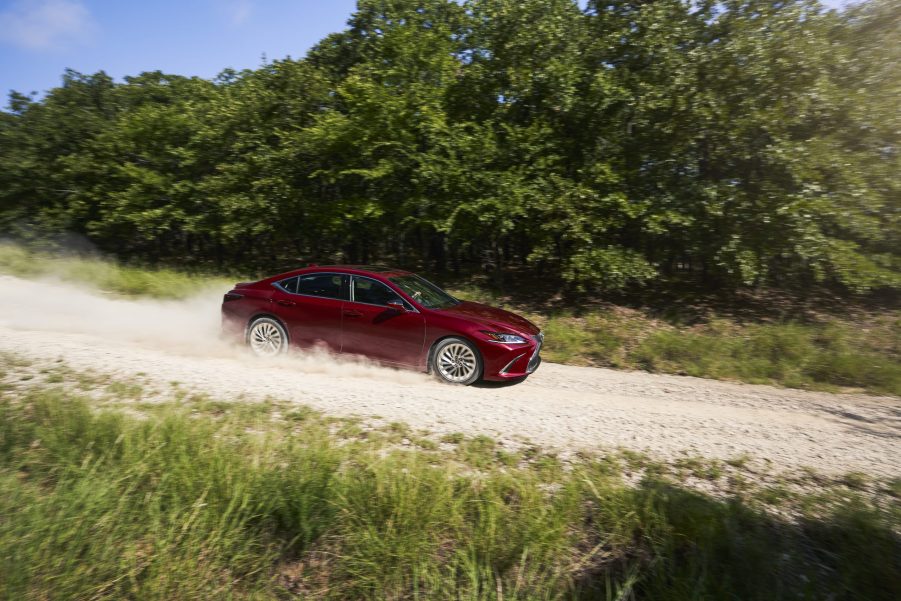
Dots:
pixel 106 495
pixel 824 356
pixel 827 352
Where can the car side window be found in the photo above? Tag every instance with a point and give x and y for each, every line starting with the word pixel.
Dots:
pixel 326 285
pixel 290 285
pixel 373 292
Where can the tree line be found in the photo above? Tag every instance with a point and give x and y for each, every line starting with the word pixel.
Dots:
pixel 741 143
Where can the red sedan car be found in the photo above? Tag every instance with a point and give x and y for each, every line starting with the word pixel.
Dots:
pixel 389 315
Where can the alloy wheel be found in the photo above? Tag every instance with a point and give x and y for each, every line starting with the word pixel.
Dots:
pixel 266 339
pixel 456 362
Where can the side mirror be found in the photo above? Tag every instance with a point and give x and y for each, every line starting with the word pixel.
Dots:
pixel 397 306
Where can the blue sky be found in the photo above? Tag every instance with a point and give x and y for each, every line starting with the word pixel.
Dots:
pixel 40 38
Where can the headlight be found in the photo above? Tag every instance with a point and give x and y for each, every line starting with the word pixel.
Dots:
pixel 505 338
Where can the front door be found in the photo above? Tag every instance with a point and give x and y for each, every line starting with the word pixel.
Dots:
pixel 373 329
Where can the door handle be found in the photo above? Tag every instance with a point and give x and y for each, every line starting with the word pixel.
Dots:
pixel 352 313
pixel 285 302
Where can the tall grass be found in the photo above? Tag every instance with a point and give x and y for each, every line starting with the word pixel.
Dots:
pixel 180 504
pixel 798 355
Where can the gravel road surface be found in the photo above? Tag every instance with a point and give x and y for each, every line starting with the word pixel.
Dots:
pixel 564 407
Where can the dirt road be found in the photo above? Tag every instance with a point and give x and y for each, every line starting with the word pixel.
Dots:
pixel 569 408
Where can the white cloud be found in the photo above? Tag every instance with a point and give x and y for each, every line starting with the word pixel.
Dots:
pixel 239 11
pixel 46 24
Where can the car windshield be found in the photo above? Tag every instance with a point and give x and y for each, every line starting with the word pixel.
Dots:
pixel 424 292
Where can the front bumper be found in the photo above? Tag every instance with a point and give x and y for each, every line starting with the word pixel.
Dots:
pixel 512 361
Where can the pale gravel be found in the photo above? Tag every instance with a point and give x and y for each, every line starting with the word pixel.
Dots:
pixel 563 407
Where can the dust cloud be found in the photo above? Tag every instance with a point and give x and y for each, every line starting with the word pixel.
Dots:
pixel 189 327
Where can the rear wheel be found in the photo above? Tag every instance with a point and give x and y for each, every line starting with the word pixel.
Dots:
pixel 267 338
pixel 456 361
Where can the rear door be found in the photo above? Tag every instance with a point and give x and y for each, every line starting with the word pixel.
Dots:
pixel 374 329
pixel 311 306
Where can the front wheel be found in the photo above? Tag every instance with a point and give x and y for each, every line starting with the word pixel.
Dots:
pixel 457 361
pixel 267 338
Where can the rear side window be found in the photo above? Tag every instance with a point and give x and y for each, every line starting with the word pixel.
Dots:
pixel 290 285
pixel 326 285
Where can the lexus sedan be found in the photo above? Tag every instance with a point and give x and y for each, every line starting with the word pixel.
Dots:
pixel 389 315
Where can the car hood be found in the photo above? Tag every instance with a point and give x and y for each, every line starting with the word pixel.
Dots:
pixel 493 317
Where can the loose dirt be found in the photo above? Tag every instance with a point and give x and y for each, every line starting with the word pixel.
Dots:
pixel 563 407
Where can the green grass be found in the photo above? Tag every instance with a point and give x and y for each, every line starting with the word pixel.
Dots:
pixel 798 355
pixel 856 480
pixel 212 500
pixel 894 488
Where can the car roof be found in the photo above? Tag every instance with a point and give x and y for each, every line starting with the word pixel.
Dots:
pixel 380 270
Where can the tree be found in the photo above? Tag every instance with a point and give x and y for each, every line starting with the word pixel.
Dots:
pixel 740 142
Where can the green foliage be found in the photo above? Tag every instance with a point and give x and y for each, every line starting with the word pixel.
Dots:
pixel 233 504
pixel 741 143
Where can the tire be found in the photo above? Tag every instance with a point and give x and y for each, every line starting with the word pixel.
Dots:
pixel 456 361
pixel 266 337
